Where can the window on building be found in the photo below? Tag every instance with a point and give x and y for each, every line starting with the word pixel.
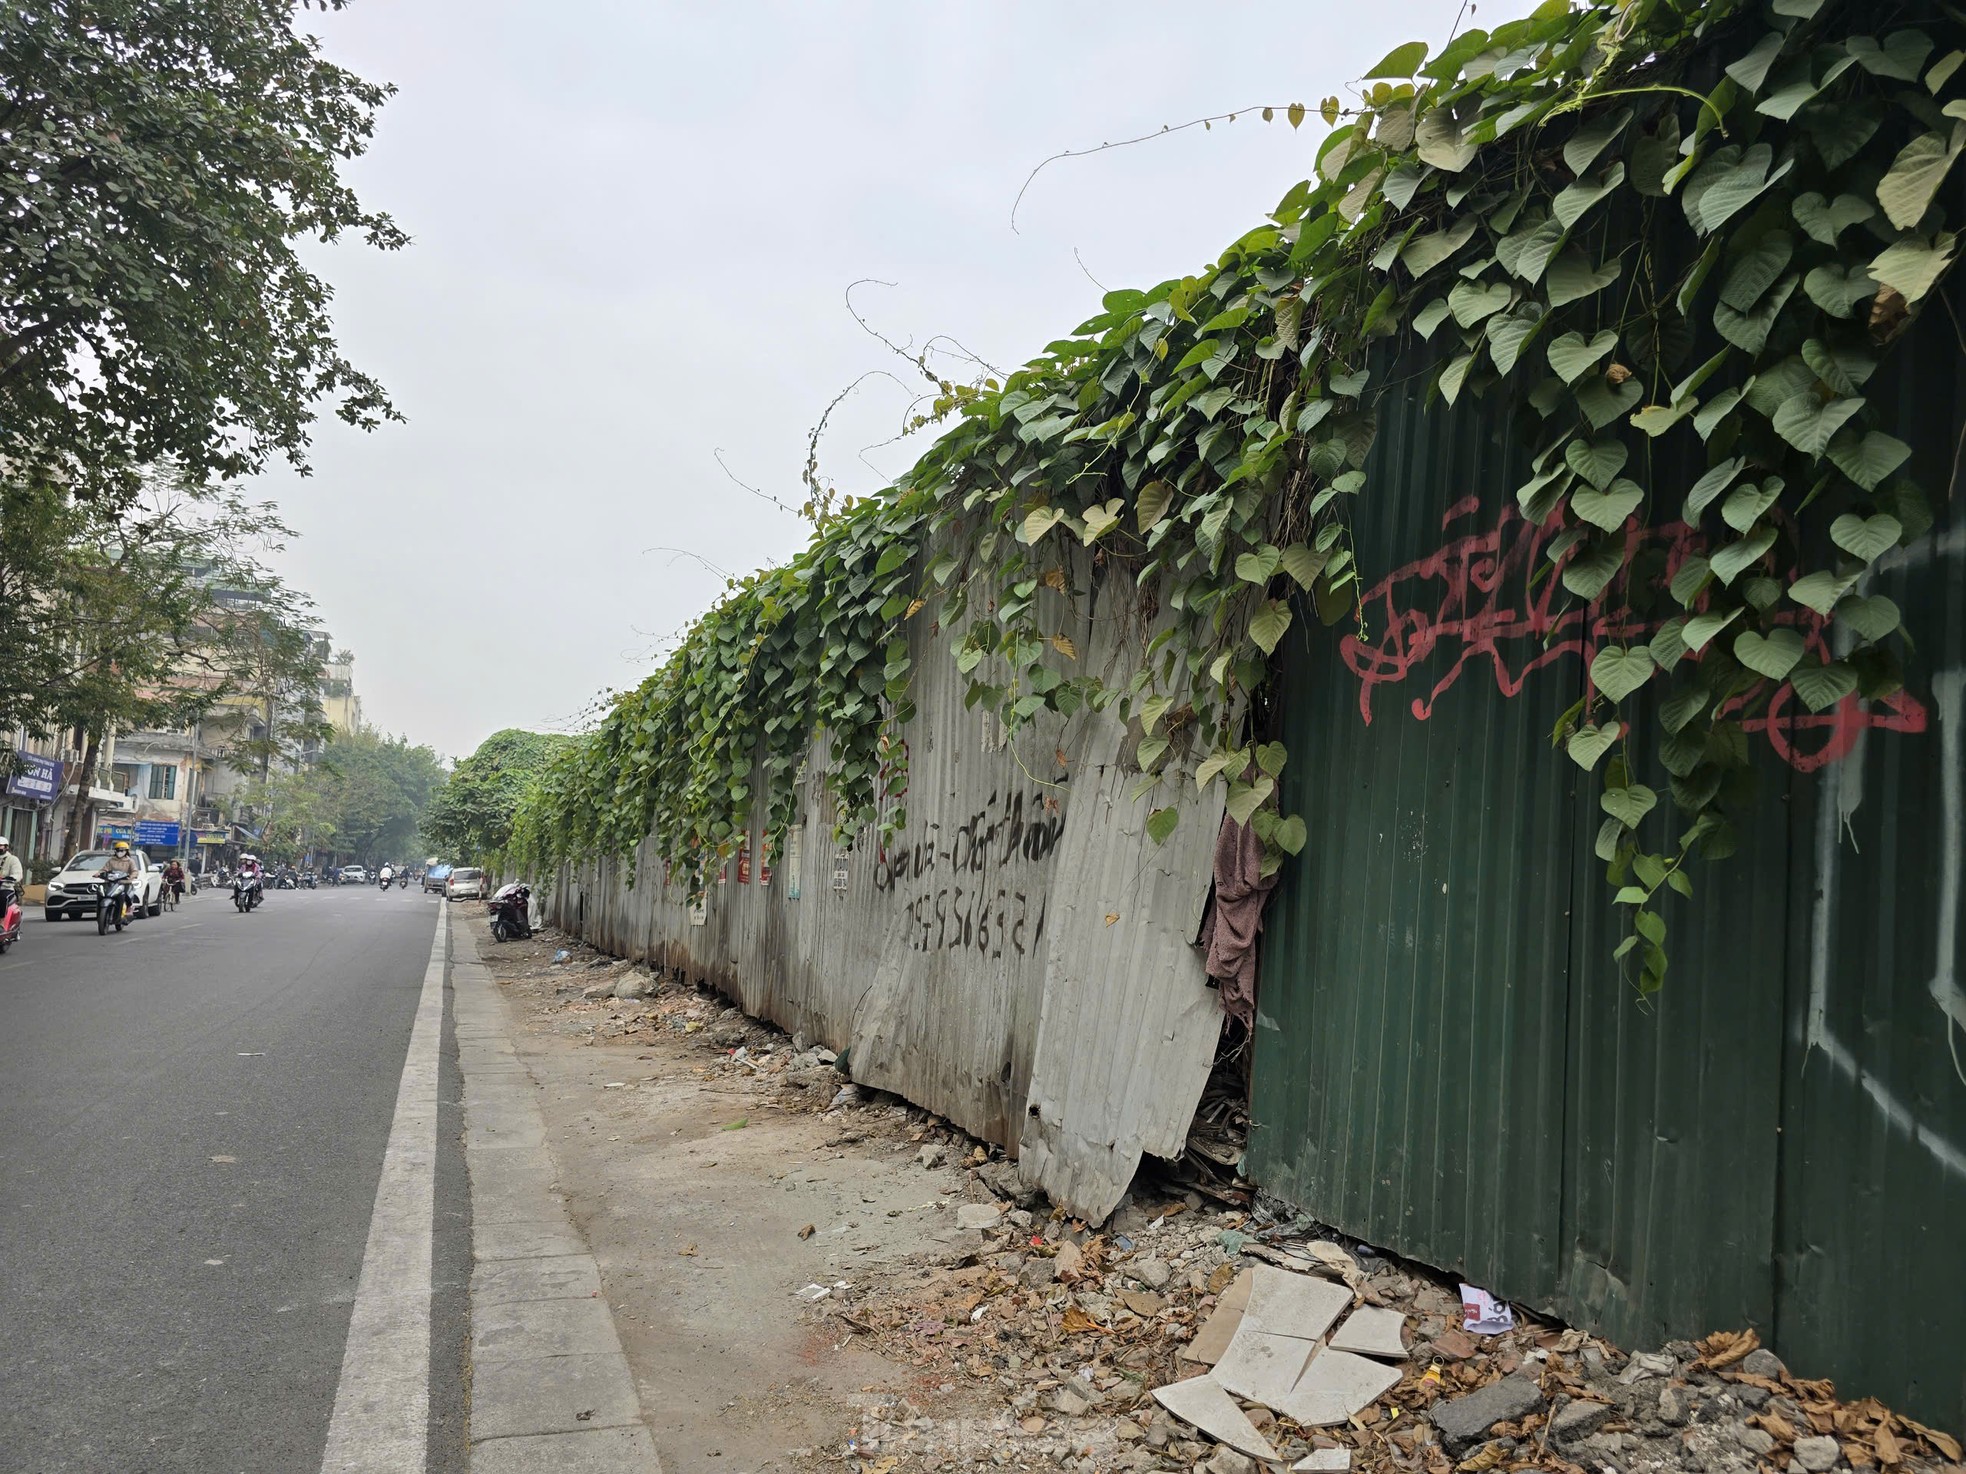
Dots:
pixel 163 782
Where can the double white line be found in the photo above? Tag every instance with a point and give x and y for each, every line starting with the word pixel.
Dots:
pixel 381 1422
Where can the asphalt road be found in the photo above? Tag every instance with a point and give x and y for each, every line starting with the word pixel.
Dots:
pixel 192 1123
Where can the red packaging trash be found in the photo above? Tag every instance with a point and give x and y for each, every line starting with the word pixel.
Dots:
pixel 1483 1314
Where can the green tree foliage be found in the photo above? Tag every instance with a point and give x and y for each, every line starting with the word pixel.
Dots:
pixel 116 616
pixel 470 820
pixel 161 159
pixel 1654 231
pixel 364 798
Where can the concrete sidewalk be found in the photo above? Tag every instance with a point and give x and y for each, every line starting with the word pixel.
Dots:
pixel 550 1388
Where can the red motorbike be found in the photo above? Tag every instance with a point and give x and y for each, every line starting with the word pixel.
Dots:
pixel 10 914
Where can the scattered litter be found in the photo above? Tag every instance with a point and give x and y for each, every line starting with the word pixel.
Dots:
pixel 817 1292
pixel 562 956
pixel 615 1085
pixel 978 1215
pixel 807 1232
pixel 1202 1402
pixel 1483 1314
pixel 225 1159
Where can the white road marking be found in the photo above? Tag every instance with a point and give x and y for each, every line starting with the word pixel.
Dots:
pixel 381 1421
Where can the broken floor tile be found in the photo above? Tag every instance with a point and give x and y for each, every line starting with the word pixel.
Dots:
pixel 1371 1332
pixel 1354 1380
pixel 1261 1366
pixel 1213 1339
pixel 1299 1305
pixel 1202 1402
pixel 1325 1461
pixel 1314 1407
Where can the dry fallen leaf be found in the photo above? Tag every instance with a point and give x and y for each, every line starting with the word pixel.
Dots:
pixel 1111 917
pixel 1724 1348
pixel 688 1251
pixel 1886 1443
pixel 1077 1321
pixel 1945 1443
pixel 807 1232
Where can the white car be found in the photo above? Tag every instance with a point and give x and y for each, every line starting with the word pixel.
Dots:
pixel 353 875
pixel 72 893
pixel 466 884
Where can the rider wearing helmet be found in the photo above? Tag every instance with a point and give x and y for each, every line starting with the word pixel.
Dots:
pixel 10 867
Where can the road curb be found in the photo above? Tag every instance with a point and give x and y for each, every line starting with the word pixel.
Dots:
pixel 550 1387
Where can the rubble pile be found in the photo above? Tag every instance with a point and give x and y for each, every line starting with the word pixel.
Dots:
pixel 1208 1329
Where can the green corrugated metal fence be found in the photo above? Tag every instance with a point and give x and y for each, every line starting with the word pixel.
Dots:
pixel 1447 1061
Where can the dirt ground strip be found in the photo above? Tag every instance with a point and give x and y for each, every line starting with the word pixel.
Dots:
pixel 810 1276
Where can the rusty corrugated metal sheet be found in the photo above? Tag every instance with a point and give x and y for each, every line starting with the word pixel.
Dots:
pixel 941 965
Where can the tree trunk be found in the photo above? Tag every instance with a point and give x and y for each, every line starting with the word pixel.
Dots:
pixel 82 816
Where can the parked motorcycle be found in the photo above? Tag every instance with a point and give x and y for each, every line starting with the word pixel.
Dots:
pixel 308 880
pixel 10 914
pixel 246 894
pixel 511 908
pixel 287 882
pixel 112 905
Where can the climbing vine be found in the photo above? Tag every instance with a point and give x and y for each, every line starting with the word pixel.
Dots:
pixel 1664 234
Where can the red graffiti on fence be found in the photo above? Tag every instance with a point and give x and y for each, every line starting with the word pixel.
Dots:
pixel 1486 610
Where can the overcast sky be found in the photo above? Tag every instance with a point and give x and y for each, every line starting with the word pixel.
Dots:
pixel 633 225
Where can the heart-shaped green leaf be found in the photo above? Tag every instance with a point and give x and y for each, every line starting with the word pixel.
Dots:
pixel 1690 581
pixel 1525 251
pixel 1807 421
pixel 1257 567
pixel 1160 824
pixel 1772 655
pixel 1246 798
pixel 1907 188
pixel 1588 573
pixel 1471 301
pixel 1628 805
pixel 1430 317
pixel 1617 672
pixel 1039 521
pixel 1291 835
pixel 1843 367
pixel 1602 401
pixel 1869 458
pixel 1509 333
pixel 1711 485
pixel 1757 269
pixel 1681 707
pixel 1822 686
pixel 1302 564
pixel 1743 508
pixel 1748 331
pixel 1572 277
pixel 1668 646
pixel 1837 288
pixel 1872 618
pixel 1588 744
pixel 1736 558
pixel 1454 376
pixel 1268 624
pixel 1152 503
pixel 1423 253
pixel 1570 355
pixel 1825 220
pixel 1901 55
pixel 1575 200
pixel 1609 508
pixel 1819 591
pixel 1703 627
pixel 1911 267
pixel 1597 461
pixel 1592 137
pixel 1865 537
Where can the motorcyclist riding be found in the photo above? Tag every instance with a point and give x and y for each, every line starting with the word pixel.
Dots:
pixel 11 872
pixel 121 869
pixel 386 875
